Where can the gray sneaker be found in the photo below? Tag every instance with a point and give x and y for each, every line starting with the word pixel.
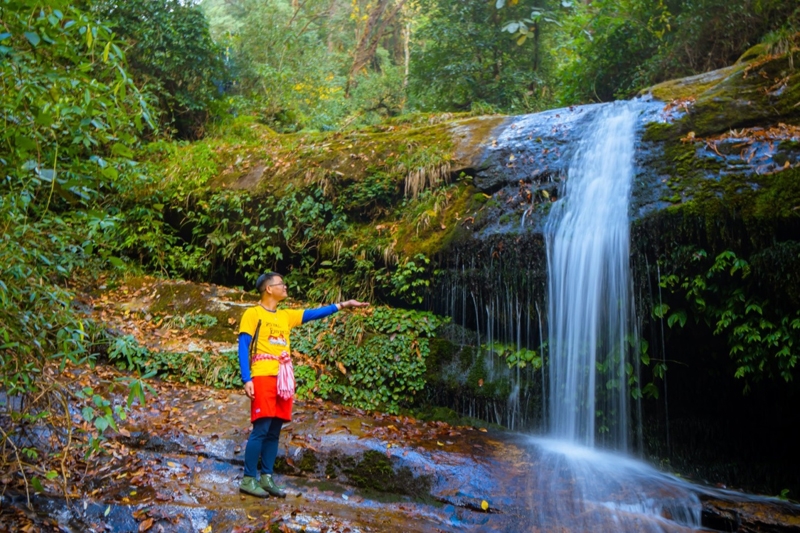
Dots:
pixel 268 484
pixel 250 486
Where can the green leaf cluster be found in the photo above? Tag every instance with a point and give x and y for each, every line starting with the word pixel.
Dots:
pixel 71 118
pixel 609 49
pixel 762 335
pixel 463 60
pixel 170 50
pixel 374 360
pixel 220 370
pixel 290 62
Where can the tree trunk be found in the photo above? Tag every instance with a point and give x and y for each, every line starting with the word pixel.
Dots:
pixel 368 44
pixel 406 52
pixel 331 16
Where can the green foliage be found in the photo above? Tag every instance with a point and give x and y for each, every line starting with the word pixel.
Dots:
pixel 376 359
pixel 370 197
pixel 410 280
pixel 762 335
pixel 217 370
pixel 464 60
pixel 291 60
pixel 192 321
pixel 171 51
pixel 71 113
pixel 609 48
pixel 71 118
pixel 603 47
pixel 320 232
pixel 99 413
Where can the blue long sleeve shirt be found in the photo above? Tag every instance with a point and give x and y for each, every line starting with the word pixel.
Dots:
pixel 245 338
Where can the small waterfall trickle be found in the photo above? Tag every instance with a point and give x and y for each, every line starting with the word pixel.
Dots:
pixel 493 328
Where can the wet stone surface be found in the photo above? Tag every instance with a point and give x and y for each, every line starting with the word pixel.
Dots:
pixel 176 465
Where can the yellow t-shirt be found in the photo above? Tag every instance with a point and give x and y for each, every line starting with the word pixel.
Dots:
pixel 273 337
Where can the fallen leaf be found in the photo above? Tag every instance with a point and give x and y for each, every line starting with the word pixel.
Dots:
pixel 147 524
pixel 485 505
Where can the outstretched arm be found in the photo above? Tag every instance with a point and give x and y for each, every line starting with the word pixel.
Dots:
pixel 352 303
pixel 322 312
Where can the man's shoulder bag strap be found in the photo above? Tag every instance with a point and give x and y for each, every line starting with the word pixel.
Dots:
pixel 254 344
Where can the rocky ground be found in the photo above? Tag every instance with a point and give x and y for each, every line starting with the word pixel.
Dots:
pixel 176 463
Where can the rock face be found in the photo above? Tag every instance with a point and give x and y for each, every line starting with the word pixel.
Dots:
pixel 735 121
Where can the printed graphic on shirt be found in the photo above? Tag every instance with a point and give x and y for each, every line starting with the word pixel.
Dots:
pixel 278 339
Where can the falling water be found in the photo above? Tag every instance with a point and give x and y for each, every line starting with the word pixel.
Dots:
pixel 587 237
pixel 590 326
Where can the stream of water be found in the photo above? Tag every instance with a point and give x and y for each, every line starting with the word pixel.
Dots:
pixel 584 480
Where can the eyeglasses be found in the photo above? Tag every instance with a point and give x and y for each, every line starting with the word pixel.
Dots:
pixel 277 285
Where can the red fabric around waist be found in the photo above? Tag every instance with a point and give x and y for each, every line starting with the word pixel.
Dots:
pixel 267 402
pixel 285 373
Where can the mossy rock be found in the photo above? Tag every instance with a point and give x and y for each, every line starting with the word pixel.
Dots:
pixel 691 86
pixel 172 301
pixel 757 90
pixel 374 470
pixel 321 159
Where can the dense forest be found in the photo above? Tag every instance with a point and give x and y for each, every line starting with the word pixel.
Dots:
pixel 117 115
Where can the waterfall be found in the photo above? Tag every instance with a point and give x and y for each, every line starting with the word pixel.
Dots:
pixel 588 253
pixel 591 340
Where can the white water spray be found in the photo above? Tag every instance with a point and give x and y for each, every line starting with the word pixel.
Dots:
pixel 588 254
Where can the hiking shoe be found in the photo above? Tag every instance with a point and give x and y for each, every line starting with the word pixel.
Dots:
pixel 268 484
pixel 250 486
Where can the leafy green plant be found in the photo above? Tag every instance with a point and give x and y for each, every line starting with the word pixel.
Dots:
pixel 72 116
pixel 220 370
pixel 762 337
pixel 514 358
pixel 608 49
pixel 464 57
pixel 373 360
pixel 410 280
pixel 170 49
pixel 189 321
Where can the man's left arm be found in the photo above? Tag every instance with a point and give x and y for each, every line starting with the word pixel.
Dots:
pixel 322 312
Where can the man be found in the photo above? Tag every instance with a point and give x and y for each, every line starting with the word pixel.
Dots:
pixel 269 377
